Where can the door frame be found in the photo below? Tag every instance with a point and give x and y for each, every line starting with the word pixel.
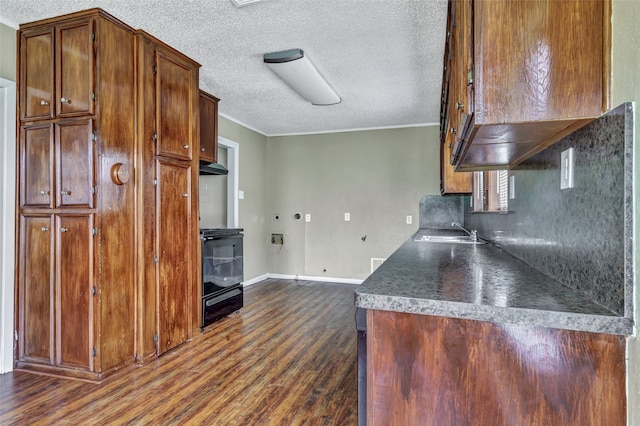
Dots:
pixel 7 221
pixel 233 185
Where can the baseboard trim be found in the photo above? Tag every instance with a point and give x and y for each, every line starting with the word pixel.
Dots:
pixel 302 278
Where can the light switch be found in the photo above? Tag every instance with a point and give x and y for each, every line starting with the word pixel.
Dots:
pixel 307 217
pixel 567 159
pixel 347 217
pixel 409 219
pixel 512 187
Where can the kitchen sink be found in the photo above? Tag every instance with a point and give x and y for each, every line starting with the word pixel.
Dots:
pixel 453 239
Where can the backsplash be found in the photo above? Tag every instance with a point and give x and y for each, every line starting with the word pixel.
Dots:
pixel 581 236
pixel 438 212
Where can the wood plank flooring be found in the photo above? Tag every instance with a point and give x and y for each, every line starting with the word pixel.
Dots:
pixel 289 357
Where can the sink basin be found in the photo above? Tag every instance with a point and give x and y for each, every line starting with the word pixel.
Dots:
pixel 454 239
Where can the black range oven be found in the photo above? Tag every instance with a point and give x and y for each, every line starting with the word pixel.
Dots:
pixel 222 273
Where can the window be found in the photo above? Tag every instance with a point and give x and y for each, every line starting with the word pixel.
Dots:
pixel 491 191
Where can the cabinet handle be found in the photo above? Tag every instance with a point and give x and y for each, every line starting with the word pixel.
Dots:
pixel 185 146
pixel 43 192
pixel 65 101
pixel 65 192
pixel 452 130
pixel 202 149
pixel 185 195
pixel 63 229
pixel 459 105
pixel 44 229
pixel 43 102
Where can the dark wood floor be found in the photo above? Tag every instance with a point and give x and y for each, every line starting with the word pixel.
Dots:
pixel 287 358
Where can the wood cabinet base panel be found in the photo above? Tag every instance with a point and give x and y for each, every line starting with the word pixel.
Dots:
pixel 426 370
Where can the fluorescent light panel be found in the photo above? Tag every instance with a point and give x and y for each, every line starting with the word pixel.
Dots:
pixel 297 71
pixel 243 3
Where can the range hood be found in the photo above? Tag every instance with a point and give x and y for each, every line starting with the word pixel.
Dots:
pixel 212 169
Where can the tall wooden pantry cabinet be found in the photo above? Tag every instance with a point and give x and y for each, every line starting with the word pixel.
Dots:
pixel 168 202
pixel 107 211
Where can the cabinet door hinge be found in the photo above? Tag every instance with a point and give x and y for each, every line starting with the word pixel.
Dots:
pixel 94 291
pixel 94 189
pixel 93 351
pixel 94 137
pixel 155 136
pixel 469 76
pixel 93 36
pixel 94 231
pixel 93 96
pixel 155 69
pixel 155 259
pixel 15 334
pixel 155 338
pixel 155 182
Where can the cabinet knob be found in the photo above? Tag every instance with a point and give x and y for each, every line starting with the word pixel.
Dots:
pixel 452 130
pixel 44 229
pixel 65 192
pixel 202 149
pixel 63 229
pixel 43 192
pixel 65 101
pixel 185 146
pixel 185 195
pixel 459 105
pixel 43 102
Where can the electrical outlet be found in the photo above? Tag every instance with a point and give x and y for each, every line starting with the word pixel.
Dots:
pixel 409 219
pixel 347 217
pixel 277 239
pixel 307 217
pixel 567 160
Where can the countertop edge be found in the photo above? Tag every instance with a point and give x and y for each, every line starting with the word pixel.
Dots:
pixel 499 315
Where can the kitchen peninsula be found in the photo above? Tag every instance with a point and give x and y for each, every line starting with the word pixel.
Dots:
pixel 460 333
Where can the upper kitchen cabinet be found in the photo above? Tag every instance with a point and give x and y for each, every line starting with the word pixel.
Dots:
pixel 57 65
pixel 455 64
pixel 208 127
pixel 523 75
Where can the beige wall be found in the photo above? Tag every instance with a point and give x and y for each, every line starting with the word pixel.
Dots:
pixel 377 176
pixel 7 52
pixel 626 87
pixel 252 180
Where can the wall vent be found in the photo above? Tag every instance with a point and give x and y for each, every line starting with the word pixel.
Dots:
pixel 376 262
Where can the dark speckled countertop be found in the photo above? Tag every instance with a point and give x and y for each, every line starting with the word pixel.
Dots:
pixel 480 282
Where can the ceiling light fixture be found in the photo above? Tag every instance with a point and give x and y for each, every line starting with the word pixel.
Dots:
pixel 295 69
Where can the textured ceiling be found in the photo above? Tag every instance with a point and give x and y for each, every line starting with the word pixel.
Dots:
pixel 382 57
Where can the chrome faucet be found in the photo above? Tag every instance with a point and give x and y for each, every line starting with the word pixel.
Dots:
pixel 473 234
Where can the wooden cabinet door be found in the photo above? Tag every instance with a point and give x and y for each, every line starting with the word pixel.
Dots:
pixel 464 100
pixel 453 182
pixel 74 165
pixel 36 158
pixel 35 289
pixel 174 270
pixel 208 127
pixel 174 107
pixel 36 74
pixel 74 68
pixel 74 286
